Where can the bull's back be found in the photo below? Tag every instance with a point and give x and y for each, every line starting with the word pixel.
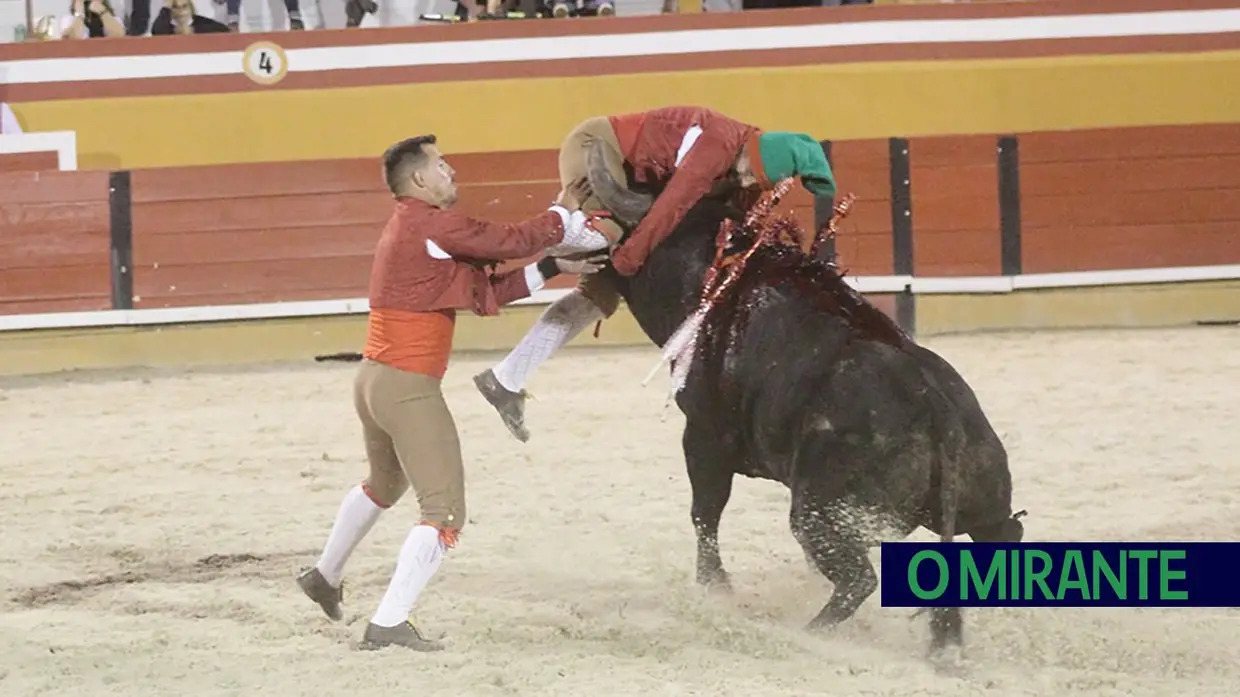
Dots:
pixel 780 370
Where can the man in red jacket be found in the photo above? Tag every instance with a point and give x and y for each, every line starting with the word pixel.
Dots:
pixel 689 149
pixel 430 262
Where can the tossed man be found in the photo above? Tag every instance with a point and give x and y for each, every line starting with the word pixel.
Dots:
pixel 431 261
pixel 689 152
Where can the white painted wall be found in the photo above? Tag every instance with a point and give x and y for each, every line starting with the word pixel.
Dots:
pixel 264 15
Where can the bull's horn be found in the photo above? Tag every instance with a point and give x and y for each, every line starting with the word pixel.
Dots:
pixel 626 205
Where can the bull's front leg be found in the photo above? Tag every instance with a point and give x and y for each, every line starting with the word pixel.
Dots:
pixel 710 476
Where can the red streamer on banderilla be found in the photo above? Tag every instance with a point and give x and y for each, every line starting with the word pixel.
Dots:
pixel 719 278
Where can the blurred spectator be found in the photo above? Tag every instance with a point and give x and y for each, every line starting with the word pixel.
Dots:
pixel 90 19
pixel 354 10
pixel 583 8
pixel 775 4
pixel 179 17
pixel 293 7
pixel 673 6
pixel 139 19
pixel 46 28
pixel 472 10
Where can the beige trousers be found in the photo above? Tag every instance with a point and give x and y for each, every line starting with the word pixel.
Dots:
pixel 573 151
pixel 411 439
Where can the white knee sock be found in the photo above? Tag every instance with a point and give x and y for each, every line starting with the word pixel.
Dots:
pixel 559 323
pixel 357 515
pixel 420 557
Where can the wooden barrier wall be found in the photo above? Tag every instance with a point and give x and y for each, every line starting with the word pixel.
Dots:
pixel 55 248
pixel 1172 198
pixel 28 161
pixel 1077 200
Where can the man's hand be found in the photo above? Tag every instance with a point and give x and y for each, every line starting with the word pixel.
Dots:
pixel 79 7
pixel 572 195
pixel 623 263
pixel 587 265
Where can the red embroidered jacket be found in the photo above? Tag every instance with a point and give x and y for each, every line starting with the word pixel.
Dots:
pixel 654 143
pixel 429 259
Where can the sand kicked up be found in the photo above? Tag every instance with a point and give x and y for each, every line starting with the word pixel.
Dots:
pixel 153 522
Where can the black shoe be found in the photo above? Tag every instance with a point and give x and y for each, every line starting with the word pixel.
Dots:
pixel 320 591
pixel 405 634
pixel 509 404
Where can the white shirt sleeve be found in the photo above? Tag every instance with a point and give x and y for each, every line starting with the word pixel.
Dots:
pixel 533 279
pixel 578 237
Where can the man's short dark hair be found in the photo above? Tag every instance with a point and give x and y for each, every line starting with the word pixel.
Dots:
pixel 400 160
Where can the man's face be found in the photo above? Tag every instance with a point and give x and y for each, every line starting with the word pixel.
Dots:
pixel 744 171
pixel 435 178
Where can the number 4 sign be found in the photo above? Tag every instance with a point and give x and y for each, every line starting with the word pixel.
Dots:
pixel 265 63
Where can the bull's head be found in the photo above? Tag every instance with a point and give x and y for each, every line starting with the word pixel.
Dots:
pixel 626 205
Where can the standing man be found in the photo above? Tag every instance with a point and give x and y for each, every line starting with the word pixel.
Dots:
pixel 692 150
pixel 430 262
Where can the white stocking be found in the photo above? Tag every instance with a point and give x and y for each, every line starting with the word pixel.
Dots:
pixel 357 515
pixel 559 323
pixel 420 557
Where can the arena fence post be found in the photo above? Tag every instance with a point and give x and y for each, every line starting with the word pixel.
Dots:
pixel 906 311
pixel 823 206
pixel 1009 204
pixel 120 204
pixel 902 229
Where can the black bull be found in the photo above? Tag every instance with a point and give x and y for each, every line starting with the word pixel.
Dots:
pixel 874 436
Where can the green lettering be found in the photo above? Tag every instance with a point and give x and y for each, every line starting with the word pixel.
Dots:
pixel 1074 566
pixel 1103 568
pixel 1166 575
pixel 912 574
pixel 971 578
pixel 1039 576
pixel 1143 571
pixel 1014 581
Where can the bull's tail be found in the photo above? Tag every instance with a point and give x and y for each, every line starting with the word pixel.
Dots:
pixel 951 449
pixel 947 623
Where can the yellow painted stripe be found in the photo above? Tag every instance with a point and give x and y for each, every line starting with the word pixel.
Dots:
pixel 838 101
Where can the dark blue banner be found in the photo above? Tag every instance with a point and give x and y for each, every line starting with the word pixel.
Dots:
pixel 1060 574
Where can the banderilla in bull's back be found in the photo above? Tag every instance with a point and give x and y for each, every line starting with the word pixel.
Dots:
pixel 785 262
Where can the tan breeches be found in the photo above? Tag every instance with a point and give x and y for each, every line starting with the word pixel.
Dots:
pixel 573 151
pixel 410 438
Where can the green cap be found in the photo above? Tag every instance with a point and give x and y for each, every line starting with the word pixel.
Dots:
pixel 786 155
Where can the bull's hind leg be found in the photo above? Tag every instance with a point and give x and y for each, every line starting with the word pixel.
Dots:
pixel 710 476
pixel 839 552
pixel 947 623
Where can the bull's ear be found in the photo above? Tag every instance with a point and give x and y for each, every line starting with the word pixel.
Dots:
pixel 628 207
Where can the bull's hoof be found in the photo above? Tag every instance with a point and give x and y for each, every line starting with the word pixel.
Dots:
pixel 949 661
pixel 716 580
pixel 822 624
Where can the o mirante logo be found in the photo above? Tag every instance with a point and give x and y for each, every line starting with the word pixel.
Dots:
pixel 1066 574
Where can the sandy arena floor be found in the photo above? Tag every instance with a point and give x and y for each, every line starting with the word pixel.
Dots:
pixel 575 575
